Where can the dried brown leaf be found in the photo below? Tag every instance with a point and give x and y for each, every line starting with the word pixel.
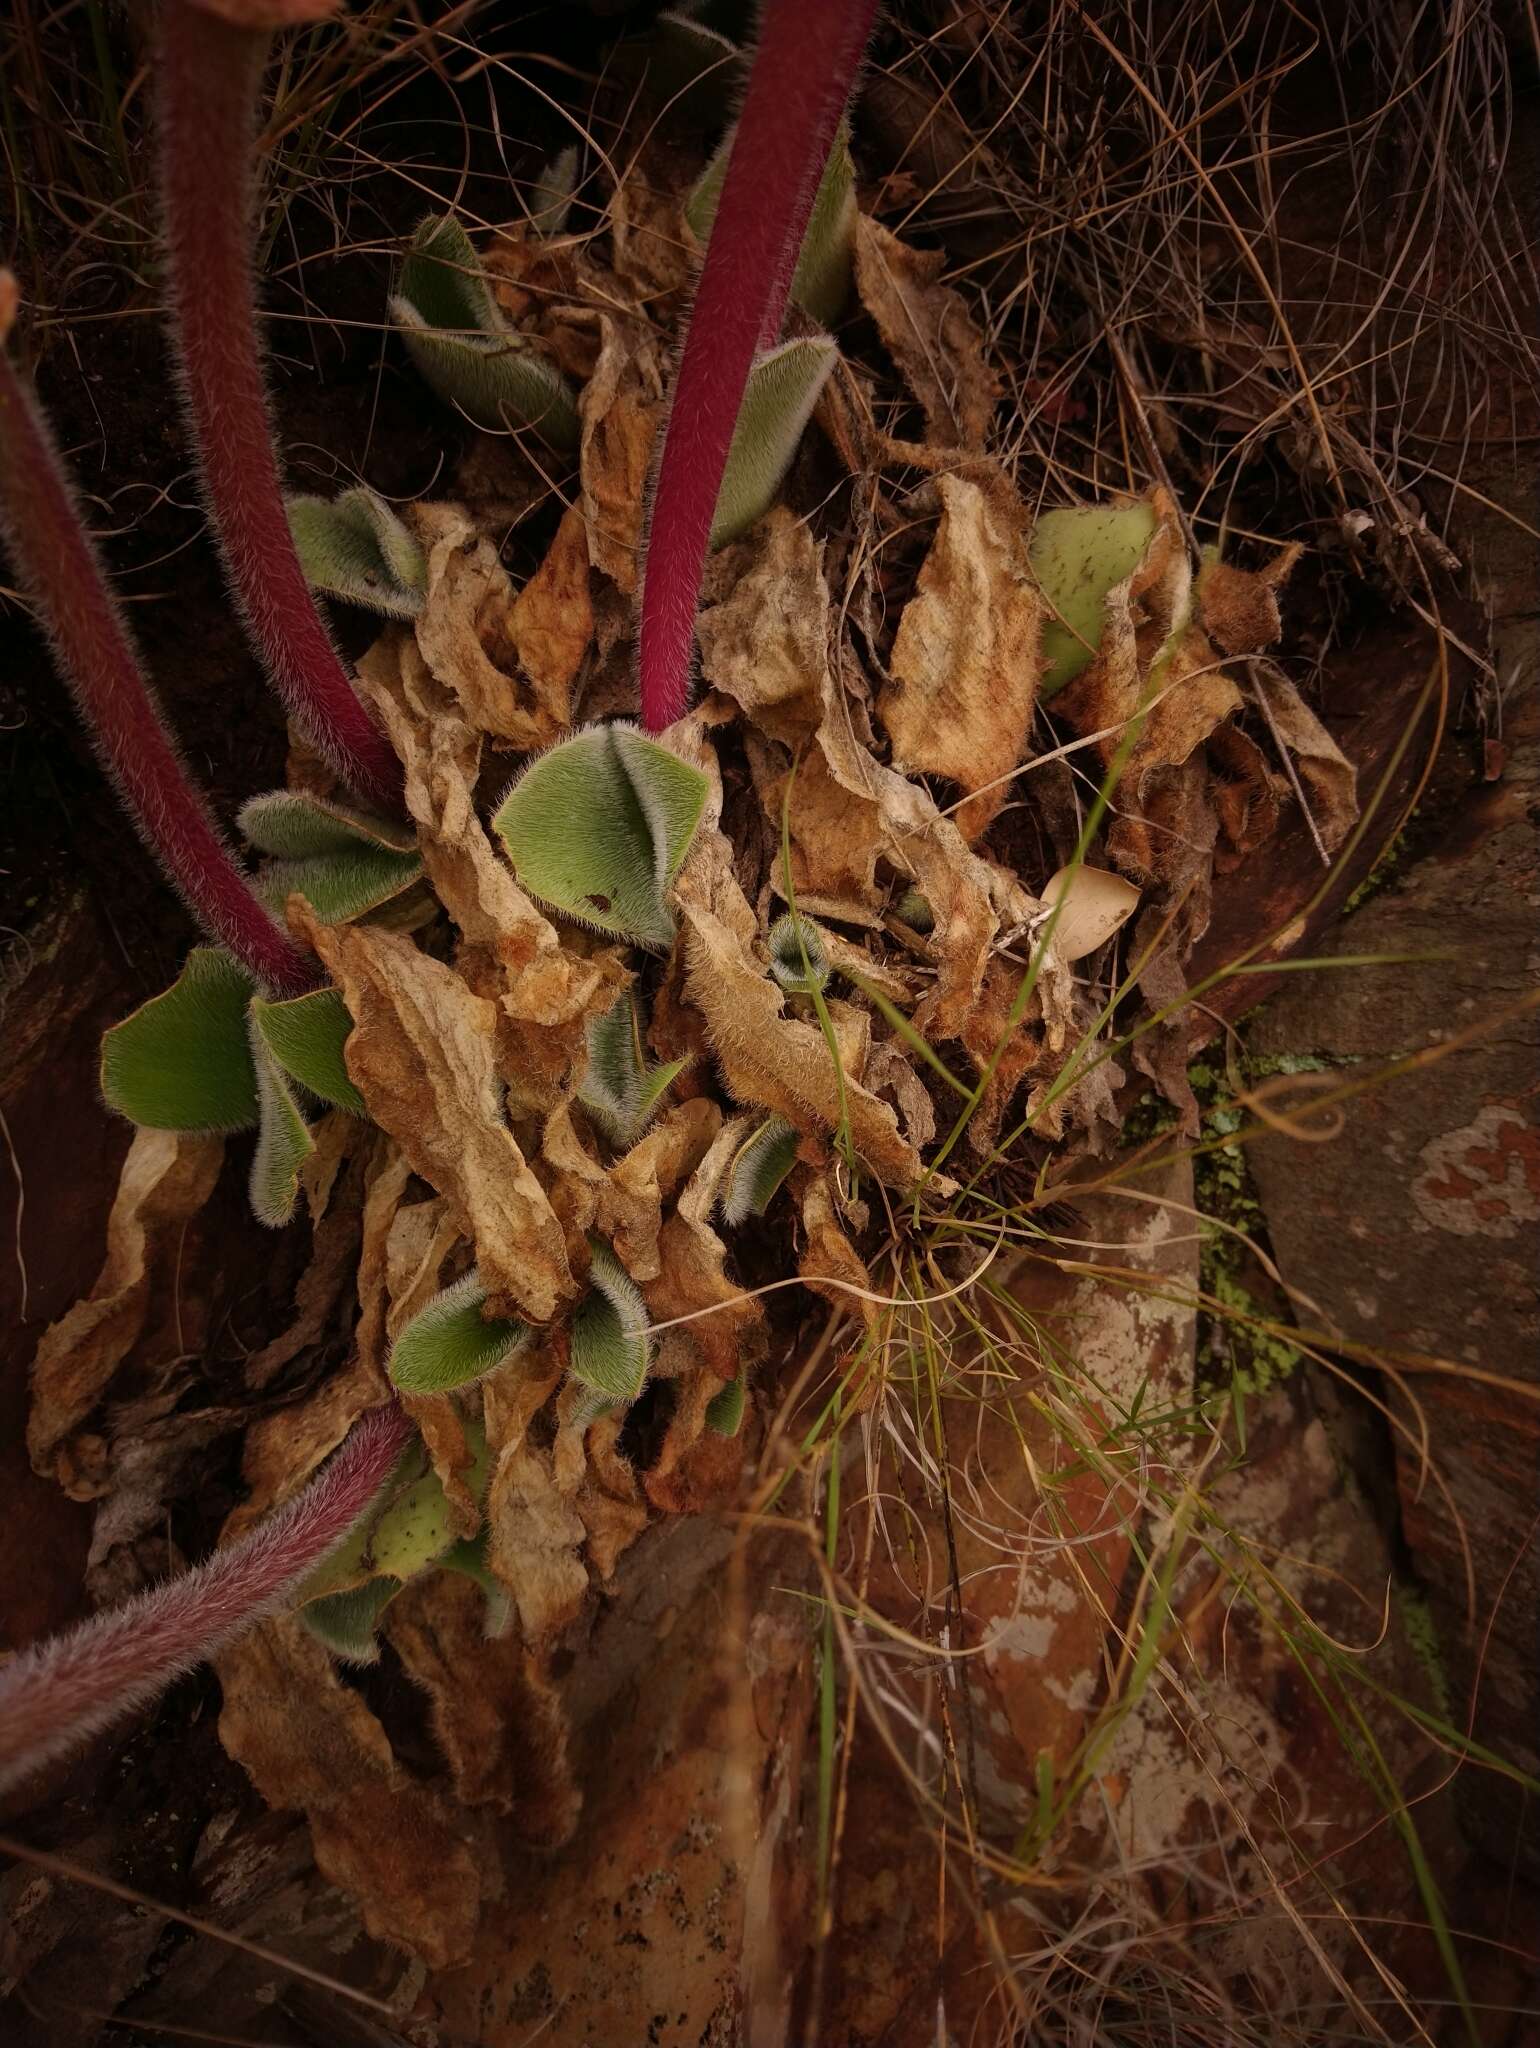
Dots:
pixel 692 1275
pixel 965 662
pixel 1329 776
pixel 928 331
pixel 309 1742
pixel 423 1054
pixel 496 1718
pixel 648 242
pixel 622 409
pixel 536 1539
pixel 552 620
pixel 466 636
pixel 284 1447
pixel 828 1262
pixel 166 1179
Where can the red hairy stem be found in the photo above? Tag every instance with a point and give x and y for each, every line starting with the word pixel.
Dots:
pixel 210 73
pixel 58 567
pixel 802 76
pixel 58 1694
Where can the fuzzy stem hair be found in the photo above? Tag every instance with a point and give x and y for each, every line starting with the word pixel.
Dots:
pixel 55 1696
pixel 58 567
pixel 802 76
pixel 210 75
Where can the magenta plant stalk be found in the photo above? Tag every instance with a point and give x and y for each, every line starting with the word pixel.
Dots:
pixel 58 1694
pixel 802 76
pixel 210 73
pixel 59 568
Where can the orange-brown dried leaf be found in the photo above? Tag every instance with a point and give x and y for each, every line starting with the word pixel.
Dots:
pixel 465 631
pixel 928 331
pixel 828 1262
pixel 1330 779
pixel 537 1537
pixel 497 1720
pixel 965 660
pixel 650 252
pixel 692 1276
pixel 552 620
pixel 166 1179
pixel 309 1743
pixel 422 1053
pixel 622 408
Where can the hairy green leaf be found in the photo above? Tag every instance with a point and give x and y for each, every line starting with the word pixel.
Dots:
pixel 182 1061
pixel 1078 555
pixel 457 336
pixel 821 282
pixel 913 909
pixel 306 1036
pixel 354 547
pixel 611 1347
pixel 620 1091
pixel 724 1411
pixel 343 862
pixel 348 1623
pixel 284 1142
pixel 598 826
pixel 411 1528
pixel 449 1343
pixel 757 1169
pixel 778 402
pixel 692 67
pixel 799 959
pixel 469 1558
pixel 550 202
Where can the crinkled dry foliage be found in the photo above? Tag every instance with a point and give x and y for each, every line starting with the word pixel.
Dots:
pixel 867 743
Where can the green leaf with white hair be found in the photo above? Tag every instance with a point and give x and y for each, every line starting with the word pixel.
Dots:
pixel 611 1344
pixel 306 1035
pixel 345 863
pixel 469 1558
pixel 353 547
pixel 821 283
pixel 799 959
pixel 598 826
pixel 757 1170
pixel 348 1623
pixel 778 401
pixel 620 1091
pixel 550 199
pixel 284 1141
pixel 1078 554
pixel 450 1342
pixel 693 68
pixel 411 1529
pixel 182 1061
pixel 724 1411
pixel 456 334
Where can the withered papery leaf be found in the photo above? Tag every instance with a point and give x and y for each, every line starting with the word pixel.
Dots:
pixel 1328 775
pixel 630 1204
pixel 928 331
pixel 767 646
pixel 283 1447
pixel 965 659
pixel 776 1060
pixel 536 1539
pixel 421 1237
pixel 622 408
pixel 552 619
pixel 309 1743
pixel 692 1275
pixel 497 1720
pixel 166 1179
pixel 465 633
pixel 423 1054
pixel 829 1263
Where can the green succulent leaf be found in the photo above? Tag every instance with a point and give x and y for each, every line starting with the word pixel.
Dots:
pixel 620 1091
pixel 450 1343
pixel 724 1411
pixel 348 1623
pixel 354 547
pixel 306 1036
pixel 550 202
pixel 284 1142
pixel 182 1061
pixel 799 959
pixel 757 1169
pixel 1078 555
pixel 457 336
pixel 597 828
pixel 913 908
pixel 821 282
pixel 469 1558
pixel 345 863
pixel 696 70
pixel 611 1347
pixel 409 1530
pixel 778 402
